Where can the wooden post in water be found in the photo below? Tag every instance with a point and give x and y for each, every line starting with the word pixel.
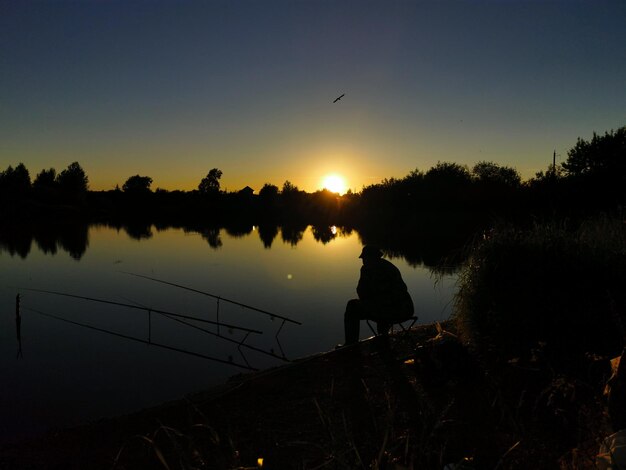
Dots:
pixel 217 316
pixel 149 327
pixel 18 326
pixel 18 316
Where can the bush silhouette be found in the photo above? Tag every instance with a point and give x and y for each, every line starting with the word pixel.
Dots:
pixel 546 287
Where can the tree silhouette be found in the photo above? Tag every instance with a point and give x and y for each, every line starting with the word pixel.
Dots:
pixel 446 187
pixel 73 179
pixel 210 184
pixel 289 188
pixel 494 174
pixel 268 192
pixel 137 185
pixel 448 174
pixel 602 155
pixel 596 172
pixel 46 179
pixel 16 180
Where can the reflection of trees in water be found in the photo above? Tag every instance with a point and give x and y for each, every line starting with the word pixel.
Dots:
pixel 46 241
pixel 16 241
pixel 437 242
pixel 239 230
pixel 344 231
pixel 267 234
pixel 138 230
pixel 212 235
pixel 75 240
pixel 292 233
pixel 72 237
pixel 324 234
pixel 327 233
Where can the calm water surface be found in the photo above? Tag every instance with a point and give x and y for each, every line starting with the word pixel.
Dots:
pixel 68 374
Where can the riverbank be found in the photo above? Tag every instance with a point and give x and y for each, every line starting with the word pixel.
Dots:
pixel 416 401
pixel 298 414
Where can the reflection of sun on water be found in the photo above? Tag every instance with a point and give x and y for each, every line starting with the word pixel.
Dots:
pixel 334 183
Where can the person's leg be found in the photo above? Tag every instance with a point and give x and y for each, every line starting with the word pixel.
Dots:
pixel 351 321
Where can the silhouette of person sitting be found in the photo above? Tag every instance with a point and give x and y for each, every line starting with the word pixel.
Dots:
pixel 383 296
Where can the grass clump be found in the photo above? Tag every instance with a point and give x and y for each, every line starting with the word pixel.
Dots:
pixel 544 310
pixel 548 288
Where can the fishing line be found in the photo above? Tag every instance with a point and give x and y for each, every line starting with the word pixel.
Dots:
pixel 272 315
pixel 183 322
pixel 120 304
pixel 239 344
pixel 139 340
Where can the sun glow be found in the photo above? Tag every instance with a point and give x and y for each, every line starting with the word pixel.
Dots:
pixel 334 183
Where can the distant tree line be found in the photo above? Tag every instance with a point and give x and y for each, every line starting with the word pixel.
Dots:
pixel 16 182
pixel 592 179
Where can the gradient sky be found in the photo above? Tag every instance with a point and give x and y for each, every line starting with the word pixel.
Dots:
pixel 171 89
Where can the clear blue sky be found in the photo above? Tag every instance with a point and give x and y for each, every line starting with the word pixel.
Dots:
pixel 171 89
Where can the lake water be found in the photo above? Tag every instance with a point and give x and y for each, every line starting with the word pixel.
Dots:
pixel 66 374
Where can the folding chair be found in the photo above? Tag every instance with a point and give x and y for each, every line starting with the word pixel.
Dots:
pixel 401 324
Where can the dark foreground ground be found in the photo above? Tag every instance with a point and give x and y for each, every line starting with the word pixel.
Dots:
pixel 415 401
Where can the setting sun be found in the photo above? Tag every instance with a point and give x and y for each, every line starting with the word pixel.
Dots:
pixel 334 183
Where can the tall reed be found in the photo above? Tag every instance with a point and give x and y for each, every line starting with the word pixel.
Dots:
pixel 550 287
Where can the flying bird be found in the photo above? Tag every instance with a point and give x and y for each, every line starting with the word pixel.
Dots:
pixel 339 97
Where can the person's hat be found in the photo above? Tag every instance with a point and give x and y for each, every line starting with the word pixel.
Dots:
pixel 370 251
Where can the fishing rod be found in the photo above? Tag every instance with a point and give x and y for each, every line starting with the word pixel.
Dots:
pixel 239 344
pixel 138 307
pixel 139 340
pixel 270 314
pixel 196 327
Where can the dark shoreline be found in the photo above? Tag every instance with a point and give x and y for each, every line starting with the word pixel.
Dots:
pixel 419 400
pixel 285 392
